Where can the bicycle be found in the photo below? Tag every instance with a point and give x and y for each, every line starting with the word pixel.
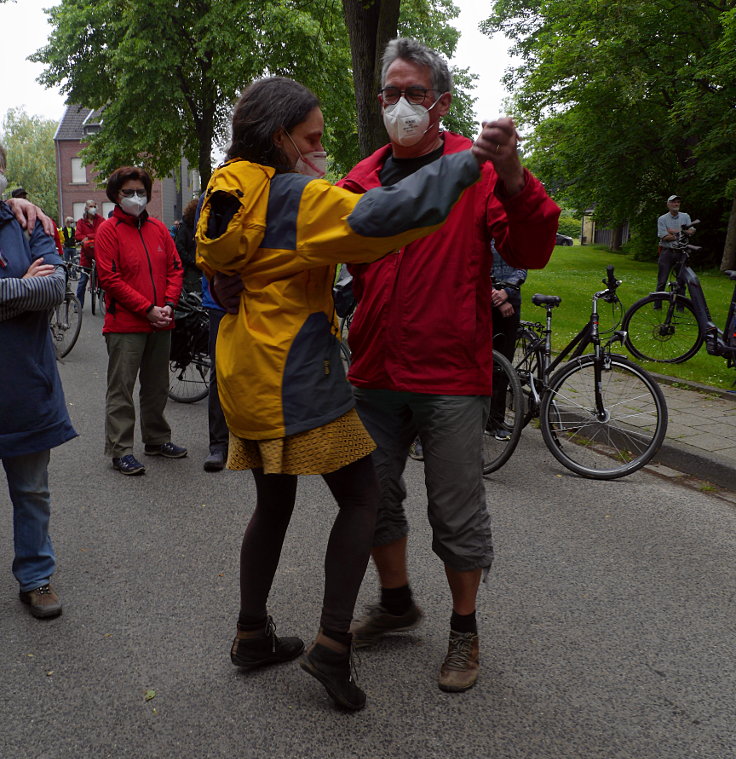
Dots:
pixel 669 327
pixel 497 450
pixel 65 320
pixel 602 416
pixel 96 293
pixel 189 358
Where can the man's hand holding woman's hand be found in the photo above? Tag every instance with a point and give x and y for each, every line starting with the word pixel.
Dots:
pixel 497 143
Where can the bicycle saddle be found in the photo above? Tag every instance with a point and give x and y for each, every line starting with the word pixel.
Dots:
pixel 546 300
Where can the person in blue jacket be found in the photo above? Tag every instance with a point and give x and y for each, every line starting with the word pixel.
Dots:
pixel 32 406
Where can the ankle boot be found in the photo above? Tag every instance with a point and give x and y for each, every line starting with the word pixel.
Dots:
pixel 258 648
pixel 330 662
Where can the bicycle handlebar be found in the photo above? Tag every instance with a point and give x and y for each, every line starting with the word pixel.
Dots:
pixel 611 283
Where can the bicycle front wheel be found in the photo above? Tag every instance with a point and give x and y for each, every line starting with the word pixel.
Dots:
pixel 658 330
pixel 501 435
pixel 66 321
pixel 615 441
pixel 190 383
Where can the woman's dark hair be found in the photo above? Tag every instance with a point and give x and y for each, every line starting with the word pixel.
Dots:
pixel 189 212
pixel 120 176
pixel 266 106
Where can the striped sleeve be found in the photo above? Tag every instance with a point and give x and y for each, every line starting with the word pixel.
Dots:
pixel 19 295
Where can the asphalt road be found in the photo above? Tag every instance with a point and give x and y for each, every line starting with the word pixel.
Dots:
pixel 607 625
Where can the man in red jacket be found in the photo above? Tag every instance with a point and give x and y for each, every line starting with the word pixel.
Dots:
pixel 87 228
pixel 421 340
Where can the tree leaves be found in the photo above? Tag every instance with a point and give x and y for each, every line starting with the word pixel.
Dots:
pixel 167 74
pixel 628 101
pixel 29 142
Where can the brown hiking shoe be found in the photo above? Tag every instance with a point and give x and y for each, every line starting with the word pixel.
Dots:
pixel 459 670
pixel 377 622
pixel 43 602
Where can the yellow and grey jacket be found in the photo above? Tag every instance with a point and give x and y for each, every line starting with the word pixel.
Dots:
pixel 278 361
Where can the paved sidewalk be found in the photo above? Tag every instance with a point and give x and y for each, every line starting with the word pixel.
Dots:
pixel 701 436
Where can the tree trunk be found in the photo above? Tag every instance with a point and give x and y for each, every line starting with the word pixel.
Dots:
pixel 371 24
pixel 729 247
pixel 617 236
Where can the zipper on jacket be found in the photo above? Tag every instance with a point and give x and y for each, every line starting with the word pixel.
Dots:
pixel 150 265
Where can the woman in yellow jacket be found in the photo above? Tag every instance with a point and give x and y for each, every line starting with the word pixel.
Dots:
pixel 268 218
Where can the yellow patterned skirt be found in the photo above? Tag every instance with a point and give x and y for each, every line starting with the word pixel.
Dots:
pixel 318 451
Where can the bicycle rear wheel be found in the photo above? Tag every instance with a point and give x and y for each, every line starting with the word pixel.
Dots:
pixel 622 440
pixel 190 383
pixel 65 323
pixel 497 450
pixel 657 330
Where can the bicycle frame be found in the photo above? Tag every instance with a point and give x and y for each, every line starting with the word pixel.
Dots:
pixel 588 335
pixel 715 344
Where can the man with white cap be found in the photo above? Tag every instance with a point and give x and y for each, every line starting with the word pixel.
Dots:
pixel 669 226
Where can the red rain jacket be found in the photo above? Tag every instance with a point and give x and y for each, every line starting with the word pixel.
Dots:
pixel 138 267
pixel 423 320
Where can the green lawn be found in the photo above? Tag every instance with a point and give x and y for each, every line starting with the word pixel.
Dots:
pixel 575 273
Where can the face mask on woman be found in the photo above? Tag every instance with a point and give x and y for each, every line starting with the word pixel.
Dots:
pixel 92 211
pixel 405 122
pixel 312 164
pixel 135 205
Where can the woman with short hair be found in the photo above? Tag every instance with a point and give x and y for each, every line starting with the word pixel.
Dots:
pixel 140 271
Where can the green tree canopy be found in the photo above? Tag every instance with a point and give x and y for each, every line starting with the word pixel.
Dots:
pixel 167 74
pixel 628 102
pixel 29 142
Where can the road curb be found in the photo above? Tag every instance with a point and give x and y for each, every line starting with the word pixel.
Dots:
pixel 699 387
pixel 704 465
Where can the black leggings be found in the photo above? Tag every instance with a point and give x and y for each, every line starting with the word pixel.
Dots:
pixel 355 488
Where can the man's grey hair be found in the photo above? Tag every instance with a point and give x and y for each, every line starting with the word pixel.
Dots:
pixel 410 50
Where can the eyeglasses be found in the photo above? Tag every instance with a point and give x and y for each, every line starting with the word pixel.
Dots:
pixel 131 193
pixel 415 95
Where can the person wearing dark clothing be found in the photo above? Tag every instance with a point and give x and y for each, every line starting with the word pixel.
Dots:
pixel 186 246
pixel 218 432
pixel 506 315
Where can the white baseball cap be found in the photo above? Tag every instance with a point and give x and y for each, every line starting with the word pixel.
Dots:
pixel 673 197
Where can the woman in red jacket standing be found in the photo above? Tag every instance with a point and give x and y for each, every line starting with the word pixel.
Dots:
pixel 87 228
pixel 141 274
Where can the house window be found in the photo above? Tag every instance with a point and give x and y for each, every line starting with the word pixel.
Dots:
pixel 79 171
pixel 78 211
pixel 106 208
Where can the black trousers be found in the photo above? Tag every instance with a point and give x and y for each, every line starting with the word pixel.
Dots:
pixel 355 488
pixel 217 426
pixel 504 341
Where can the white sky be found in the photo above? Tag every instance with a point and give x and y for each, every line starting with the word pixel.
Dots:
pixel 24 29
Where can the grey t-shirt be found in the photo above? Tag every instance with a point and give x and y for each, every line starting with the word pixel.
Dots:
pixel 666 221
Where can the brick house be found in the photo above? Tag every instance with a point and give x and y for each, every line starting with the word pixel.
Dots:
pixel 77 183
